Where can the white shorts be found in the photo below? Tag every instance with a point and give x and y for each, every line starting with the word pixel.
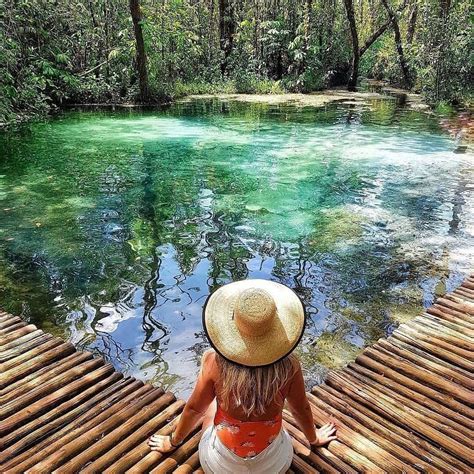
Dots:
pixel 216 458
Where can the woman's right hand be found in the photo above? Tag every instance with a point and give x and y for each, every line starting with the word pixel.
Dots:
pixel 325 434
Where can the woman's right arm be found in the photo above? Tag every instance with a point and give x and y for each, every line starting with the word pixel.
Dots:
pixel 301 410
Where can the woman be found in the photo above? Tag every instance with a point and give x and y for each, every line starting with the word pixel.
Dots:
pixel 253 327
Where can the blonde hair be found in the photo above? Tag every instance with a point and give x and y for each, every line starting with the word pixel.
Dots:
pixel 252 389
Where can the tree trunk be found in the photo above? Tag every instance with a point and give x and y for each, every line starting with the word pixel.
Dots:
pixel 398 43
pixel 226 31
pixel 352 82
pixel 140 48
pixel 378 33
pixel 412 24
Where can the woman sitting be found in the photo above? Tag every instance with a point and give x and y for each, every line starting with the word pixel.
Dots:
pixel 253 327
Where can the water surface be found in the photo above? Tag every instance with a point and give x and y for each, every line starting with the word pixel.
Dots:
pixel 115 226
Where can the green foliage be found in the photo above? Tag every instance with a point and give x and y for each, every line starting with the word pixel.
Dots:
pixel 79 51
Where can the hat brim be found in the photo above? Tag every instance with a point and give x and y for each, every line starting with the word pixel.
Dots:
pixel 283 334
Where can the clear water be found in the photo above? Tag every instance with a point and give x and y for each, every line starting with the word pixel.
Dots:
pixel 115 226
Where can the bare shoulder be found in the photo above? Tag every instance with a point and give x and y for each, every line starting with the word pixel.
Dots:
pixel 296 365
pixel 208 363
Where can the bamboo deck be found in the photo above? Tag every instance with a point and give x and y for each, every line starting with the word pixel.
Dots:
pixel 405 405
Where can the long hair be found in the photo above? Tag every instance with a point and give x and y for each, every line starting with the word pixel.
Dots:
pixel 252 389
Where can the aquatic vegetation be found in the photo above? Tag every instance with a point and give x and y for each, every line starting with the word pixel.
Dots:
pixel 115 226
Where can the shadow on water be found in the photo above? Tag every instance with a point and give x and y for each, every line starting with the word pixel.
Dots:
pixel 116 225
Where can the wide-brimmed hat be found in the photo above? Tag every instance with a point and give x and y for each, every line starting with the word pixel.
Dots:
pixel 254 322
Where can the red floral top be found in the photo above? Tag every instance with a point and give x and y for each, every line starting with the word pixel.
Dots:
pixel 246 438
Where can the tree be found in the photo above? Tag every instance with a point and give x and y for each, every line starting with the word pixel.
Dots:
pixel 226 31
pixel 354 71
pixel 140 49
pixel 398 43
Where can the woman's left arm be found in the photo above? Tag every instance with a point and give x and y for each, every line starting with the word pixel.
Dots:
pixel 194 410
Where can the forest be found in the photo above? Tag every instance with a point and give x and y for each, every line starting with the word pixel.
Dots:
pixel 57 52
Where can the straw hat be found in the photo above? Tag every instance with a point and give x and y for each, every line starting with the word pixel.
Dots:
pixel 254 322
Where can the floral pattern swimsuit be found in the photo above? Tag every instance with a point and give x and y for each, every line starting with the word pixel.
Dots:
pixel 246 438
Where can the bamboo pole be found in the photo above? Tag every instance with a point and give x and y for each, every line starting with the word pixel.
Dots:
pixel 321 457
pixel 18 372
pixel 53 399
pixel 30 354
pixel 465 332
pixel 33 341
pixel 416 396
pixel 360 444
pixel 42 375
pixel 130 443
pixel 63 413
pixel 49 394
pixel 188 465
pixel 87 421
pixel 425 377
pixel 367 429
pixel 178 456
pixel 442 311
pixel 409 382
pixel 10 322
pixel 401 435
pixel 396 413
pixel 76 442
pixel 428 361
pixel 7 338
pixel 11 328
pixel 107 442
pixel 466 354
pixel 412 408
pixel 432 349
pixel 151 458
pixel 133 458
pixel 19 341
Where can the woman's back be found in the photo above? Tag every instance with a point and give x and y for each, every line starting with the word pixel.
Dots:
pixel 226 400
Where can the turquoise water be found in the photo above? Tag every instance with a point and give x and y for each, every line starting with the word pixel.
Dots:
pixel 116 225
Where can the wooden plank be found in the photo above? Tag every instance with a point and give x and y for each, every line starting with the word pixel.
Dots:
pixel 396 413
pixel 63 413
pixel 189 465
pixel 38 451
pixel 432 349
pixel 426 360
pixel 50 401
pixel 19 341
pixel 42 375
pixel 128 444
pixel 409 382
pixel 412 408
pixel 107 442
pixel 413 395
pixel 401 435
pixel 411 370
pixel 178 456
pixel 322 457
pixel 140 452
pixel 26 399
pixel 466 354
pixel 85 438
pixel 33 340
pixel 384 443
pixel 7 338
pixel 18 372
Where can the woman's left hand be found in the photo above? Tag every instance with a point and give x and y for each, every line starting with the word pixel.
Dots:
pixel 161 443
